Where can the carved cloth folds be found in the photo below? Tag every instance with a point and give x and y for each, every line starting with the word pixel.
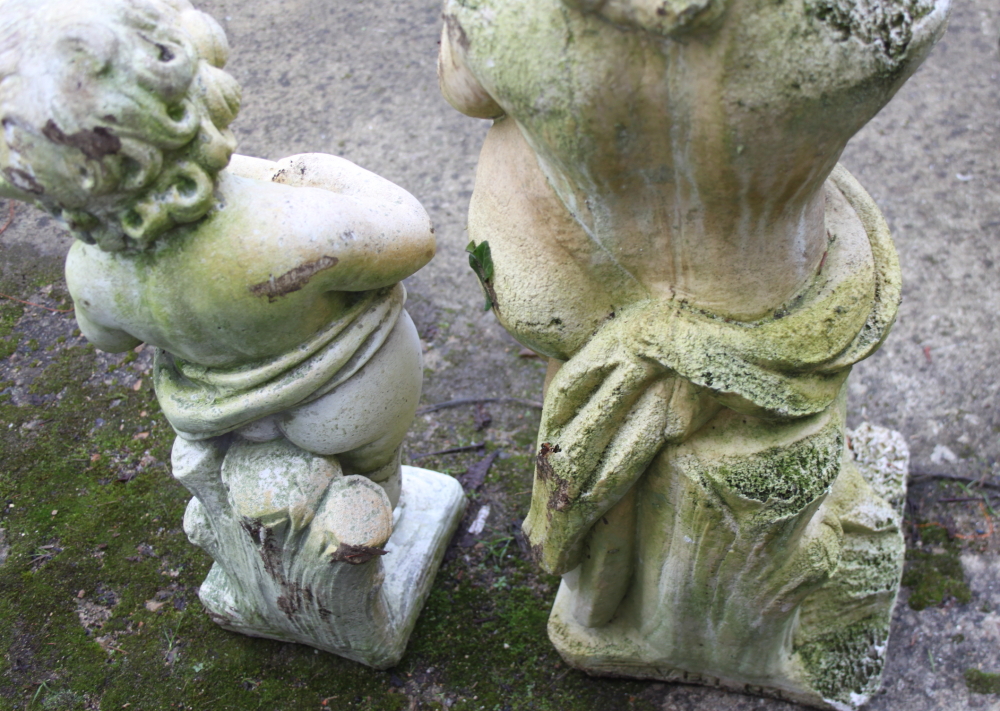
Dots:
pixel 201 402
pixel 613 405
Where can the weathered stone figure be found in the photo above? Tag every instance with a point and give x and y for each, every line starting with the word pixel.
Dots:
pixel 664 218
pixel 285 360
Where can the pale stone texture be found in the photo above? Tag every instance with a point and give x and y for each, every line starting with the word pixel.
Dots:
pixel 285 361
pixel 657 211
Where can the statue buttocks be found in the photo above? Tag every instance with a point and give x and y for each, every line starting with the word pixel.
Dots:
pixel 544 265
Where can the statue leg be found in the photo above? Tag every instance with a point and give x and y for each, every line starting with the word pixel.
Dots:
pixel 600 582
pixel 364 420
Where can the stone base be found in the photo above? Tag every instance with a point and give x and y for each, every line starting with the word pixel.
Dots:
pixel 365 611
pixel 607 652
pixel 832 650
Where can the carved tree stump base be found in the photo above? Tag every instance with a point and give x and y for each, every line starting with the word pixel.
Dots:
pixel 305 554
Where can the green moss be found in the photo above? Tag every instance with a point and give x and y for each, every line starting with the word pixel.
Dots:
pixel 980 682
pixel 845 662
pixel 934 536
pixel 481 642
pixel 62 701
pixel 8 343
pixel 935 575
pixel 10 312
pixel 787 478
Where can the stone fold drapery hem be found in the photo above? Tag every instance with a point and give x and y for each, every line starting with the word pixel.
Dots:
pixel 611 407
pixel 201 402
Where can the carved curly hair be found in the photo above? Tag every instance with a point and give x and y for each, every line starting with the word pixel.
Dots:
pixel 664 17
pixel 114 114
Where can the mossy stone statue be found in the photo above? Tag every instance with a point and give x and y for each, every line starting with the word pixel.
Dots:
pixel 285 360
pixel 667 222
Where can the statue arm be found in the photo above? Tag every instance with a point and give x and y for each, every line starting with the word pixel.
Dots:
pixel 377 232
pixel 459 85
pixel 109 340
pixel 87 279
pixel 254 168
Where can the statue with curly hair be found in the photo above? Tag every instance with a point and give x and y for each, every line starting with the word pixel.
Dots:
pixel 285 360
pixel 659 210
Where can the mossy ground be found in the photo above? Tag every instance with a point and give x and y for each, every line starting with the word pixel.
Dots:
pixel 980 682
pixel 938 532
pixel 98 594
pixel 934 571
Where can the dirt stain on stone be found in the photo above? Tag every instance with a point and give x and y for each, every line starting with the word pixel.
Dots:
pixel 543 470
pixel 559 499
pixel 270 554
pixel 293 279
pixel 456 33
pixel 294 598
pixel 355 555
pixel 96 143
pixel 23 181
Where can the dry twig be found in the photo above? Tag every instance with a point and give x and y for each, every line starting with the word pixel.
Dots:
pixel 453 450
pixel 30 303
pixel 476 400
pixel 917 477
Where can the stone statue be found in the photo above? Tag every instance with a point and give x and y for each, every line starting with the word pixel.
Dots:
pixel 659 210
pixel 285 360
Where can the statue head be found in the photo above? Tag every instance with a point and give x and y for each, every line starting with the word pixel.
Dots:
pixel 115 114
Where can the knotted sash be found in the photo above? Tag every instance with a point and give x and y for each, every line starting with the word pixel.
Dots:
pixel 608 409
pixel 201 402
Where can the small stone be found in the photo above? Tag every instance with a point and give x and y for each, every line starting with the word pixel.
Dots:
pixel 55 511
pixel 81 594
pixel 943 454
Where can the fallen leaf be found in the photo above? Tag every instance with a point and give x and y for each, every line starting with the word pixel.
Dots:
pixel 474 478
pixel 153 605
pixel 138 385
pixel 141 435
